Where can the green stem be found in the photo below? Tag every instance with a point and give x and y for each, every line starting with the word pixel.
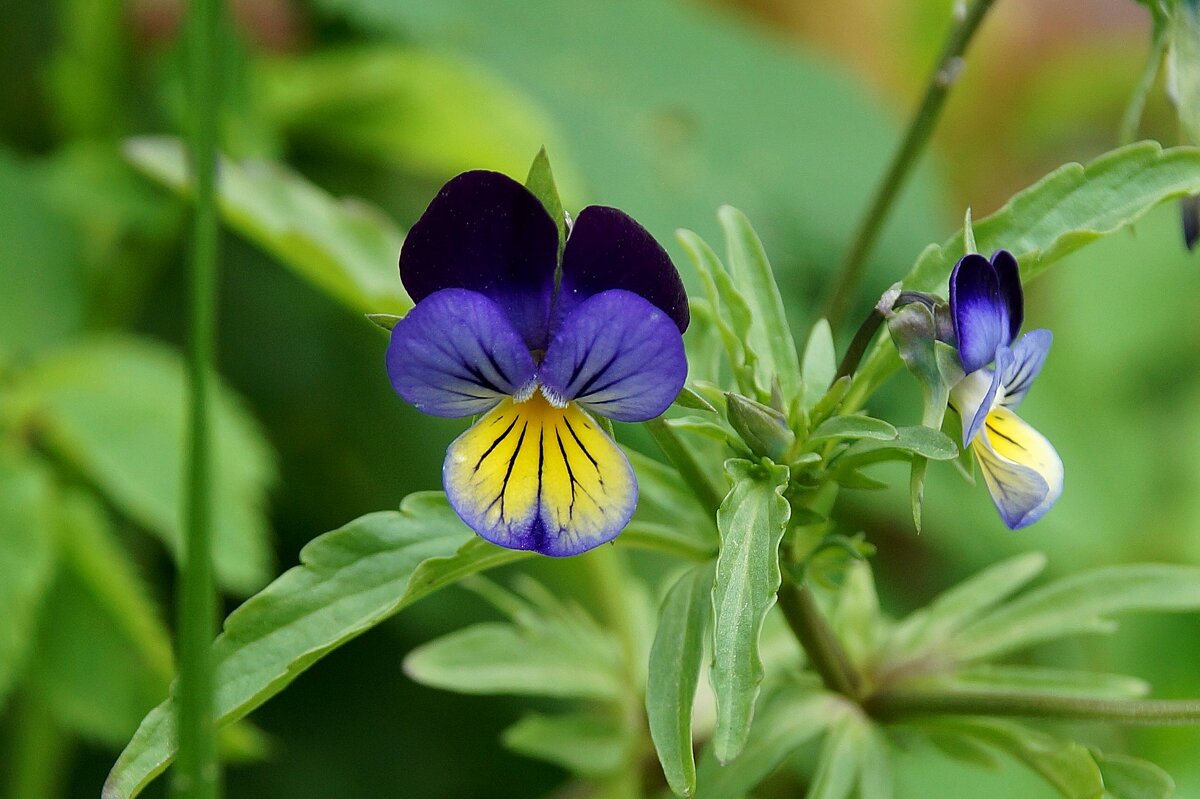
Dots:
pixel 685 464
pixel 197 774
pixel 1132 118
pixel 825 653
pixel 895 705
pixel 858 346
pixel 945 74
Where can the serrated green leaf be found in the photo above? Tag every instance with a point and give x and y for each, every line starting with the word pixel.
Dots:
pixel 583 743
pixel 1078 604
pixel 497 658
pixel 1066 765
pixel 1130 778
pixel 769 335
pixel 675 659
pixel 790 718
pixel 820 363
pixel 1072 206
pixel 114 408
pixel 540 182
pixel 1008 678
pixel 959 606
pixel 28 546
pixel 345 248
pixel 854 427
pixel 916 440
pixel 751 521
pixel 349 580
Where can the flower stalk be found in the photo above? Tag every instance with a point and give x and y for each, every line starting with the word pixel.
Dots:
pixel 899 704
pixel 825 653
pixel 945 75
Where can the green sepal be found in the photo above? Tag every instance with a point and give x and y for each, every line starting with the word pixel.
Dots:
pixel 541 184
pixel 763 429
pixel 386 321
pixel 690 399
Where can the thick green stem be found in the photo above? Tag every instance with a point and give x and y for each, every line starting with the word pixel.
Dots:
pixel 945 74
pixel 896 705
pixel 1132 118
pixel 197 774
pixel 685 464
pixel 824 651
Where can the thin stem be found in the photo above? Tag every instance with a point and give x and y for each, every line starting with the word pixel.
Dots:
pixel 944 76
pixel 197 774
pixel 858 346
pixel 898 704
pixel 824 651
pixel 685 464
pixel 1132 118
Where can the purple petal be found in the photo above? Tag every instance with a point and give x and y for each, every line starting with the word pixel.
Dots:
pixel 609 250
pixel 1028 355
pixel 487 233
pixel 456 354
pixel 981 315
pixel 1008 274
pixel 617 355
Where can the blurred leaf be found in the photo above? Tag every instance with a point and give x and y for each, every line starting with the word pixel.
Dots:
pixel 582 743
pixel 541 183
pixel 820 363
pixel 1130 778
pixel 345 248
pixel 855 617
pixel 877 780
pixel 752 519
pixel 769 336
pixel 1077 604
pixel 1066 765
pixel 42 264
pixel 27 552
pixel 1072 206
pixel 790 717
pixel 350 580
pixel 419 110
pixel 953 610
pixel 1038 680
pixel 115 409
pixel 1183 65
pixel 674 673
pixel 915 440
pixel 840 760
pixel 664 499
pixel 103 656
pixel 854 427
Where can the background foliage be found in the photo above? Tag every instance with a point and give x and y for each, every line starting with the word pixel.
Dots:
pixel 664 108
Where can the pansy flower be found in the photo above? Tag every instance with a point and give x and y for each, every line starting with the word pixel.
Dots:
pixel 1022 471
pixel 499 330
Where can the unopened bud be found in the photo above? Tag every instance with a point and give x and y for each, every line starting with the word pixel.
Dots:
pixel 763 429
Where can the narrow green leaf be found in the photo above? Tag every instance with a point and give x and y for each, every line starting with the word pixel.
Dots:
pixel 1072 206
pixel 693 401
pixel 1130 778
pixel 541 183
pixel 583 743
pixel 667 538
pixel 855 618
pixel 820 363
pixel 1008 678
pixel 854 427
pixel 751 520
pixel 916 440
pixel 790 718
pixel 114 409
pixel 27 552
pixel 675 657
pixel 1066 765
pixel 345 248
pixel 349 580
pixel 769 335
pixel 1081 603
pixel 959 606
pixel 498 658
pixel 841 760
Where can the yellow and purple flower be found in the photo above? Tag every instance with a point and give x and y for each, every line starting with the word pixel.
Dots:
pixel 1022 471
pixel 500 330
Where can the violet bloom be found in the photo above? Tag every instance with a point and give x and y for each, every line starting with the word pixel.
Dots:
pixel 1023 473
pixel 496 332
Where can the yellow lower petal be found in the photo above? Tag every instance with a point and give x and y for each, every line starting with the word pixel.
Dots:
pixel 529 475
pixel 1022 470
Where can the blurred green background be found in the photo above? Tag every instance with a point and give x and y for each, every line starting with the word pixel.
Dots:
pixel 665 108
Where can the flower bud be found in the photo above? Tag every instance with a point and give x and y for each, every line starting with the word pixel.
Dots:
pixel 763 429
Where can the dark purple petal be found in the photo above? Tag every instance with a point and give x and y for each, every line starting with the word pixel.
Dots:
pixel 1028 355
pixel 486 232
pixel 981 318
pixel 456 354
pixel 609 250
pixel 1008 274
pixel 617 355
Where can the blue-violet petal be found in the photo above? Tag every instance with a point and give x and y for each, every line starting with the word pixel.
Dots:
pixel 981 314
pixel 1008 275
pixel 1028 355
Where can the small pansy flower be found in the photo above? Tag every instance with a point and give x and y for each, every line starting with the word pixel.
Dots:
pixel 1022 471
pixel 499 330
